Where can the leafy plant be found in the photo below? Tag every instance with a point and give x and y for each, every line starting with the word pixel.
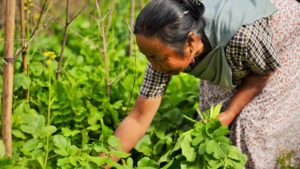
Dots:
pixel 206 146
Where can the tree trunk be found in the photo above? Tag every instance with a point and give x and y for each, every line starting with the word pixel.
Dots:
pixel 8 76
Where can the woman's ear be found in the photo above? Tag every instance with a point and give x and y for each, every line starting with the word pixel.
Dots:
pixel 194 43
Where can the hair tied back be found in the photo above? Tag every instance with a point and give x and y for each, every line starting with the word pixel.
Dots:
pixel 196 2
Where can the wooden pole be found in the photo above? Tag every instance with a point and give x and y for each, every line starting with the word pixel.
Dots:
pixel 8 76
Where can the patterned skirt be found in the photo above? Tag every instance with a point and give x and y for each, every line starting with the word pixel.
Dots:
pixel 268 128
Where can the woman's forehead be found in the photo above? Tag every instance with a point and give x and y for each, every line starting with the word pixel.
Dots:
pixel 149 45
pixel 152 45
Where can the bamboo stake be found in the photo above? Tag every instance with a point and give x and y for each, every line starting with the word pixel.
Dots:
pixel 132 10
pixel 104 48
pixel 23 42
pixel 8 76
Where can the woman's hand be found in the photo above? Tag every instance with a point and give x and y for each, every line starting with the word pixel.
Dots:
pixel 226 118
pixel 252 85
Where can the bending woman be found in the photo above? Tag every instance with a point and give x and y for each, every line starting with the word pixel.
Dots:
pixel 246 54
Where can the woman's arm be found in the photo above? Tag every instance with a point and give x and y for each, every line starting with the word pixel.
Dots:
pixel 135 125
pixel 251 86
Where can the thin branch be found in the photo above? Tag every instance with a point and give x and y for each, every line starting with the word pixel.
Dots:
pixel 64 41
pixel 104 48
pixel 135 74
pixel 66 30
pixel 40 20
pixel 131 26
pixel 77 14
pixel 23 42
pixel 111 13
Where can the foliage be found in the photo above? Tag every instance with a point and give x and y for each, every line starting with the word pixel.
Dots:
pixel 68 123
pixel 285 160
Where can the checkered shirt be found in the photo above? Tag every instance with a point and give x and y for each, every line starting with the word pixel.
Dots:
pixel 249 51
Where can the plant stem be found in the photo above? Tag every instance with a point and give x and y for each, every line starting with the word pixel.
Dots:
pixel 48 116
pixel 67 25
pixel 23 42
pixel 111 13
pixel 104 48
pixel 58 72
pixel 132 10
pixel 8 76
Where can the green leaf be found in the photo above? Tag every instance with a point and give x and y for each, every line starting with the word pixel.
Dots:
pixel 221 131
pixel 114 141
pixel 187 150
pixel 34 125
pixel 221 151
pixel 196 141
pixel 36 68
pixel 2 149
pixel 99 161
pixel 120 154
pixel 17 133
pixel 144 146
pixel 6 163
pixel 21 81
pixel 215 111
pixel 63 145
pixel 67 132
pixel 147 163
pixel 157 148
pixel 202 148
pixel 211 126
pixel 94 127
pixel 236 154
pixel 50 129
pixel 223 139
pixel 211 145
pixel 29 146
pixel 98 147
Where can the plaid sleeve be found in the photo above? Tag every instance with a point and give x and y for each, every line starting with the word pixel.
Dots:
pixel 251 50
pixel 155 83
pixel 260 55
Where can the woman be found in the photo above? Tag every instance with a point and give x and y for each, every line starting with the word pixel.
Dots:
pixel 246 53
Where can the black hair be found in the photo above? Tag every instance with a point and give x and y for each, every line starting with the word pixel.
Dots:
pixel 171 20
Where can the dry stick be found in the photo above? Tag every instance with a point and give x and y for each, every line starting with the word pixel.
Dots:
pixel 64 41
pixel 67 25
pixel 33 32
pixel 131 26
pixel 23 42
pixel 111 13
pixel 134 79
pixel 8 76
pixel 104 49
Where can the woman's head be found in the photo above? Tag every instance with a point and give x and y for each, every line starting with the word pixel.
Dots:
pixel 174 25
pixel 170 20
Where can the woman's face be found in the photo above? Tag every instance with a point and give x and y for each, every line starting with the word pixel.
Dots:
pixel 164 58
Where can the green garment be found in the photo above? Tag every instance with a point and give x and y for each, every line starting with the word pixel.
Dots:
pixel 223 18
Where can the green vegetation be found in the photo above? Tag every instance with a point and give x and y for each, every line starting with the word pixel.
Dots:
pixel 67 123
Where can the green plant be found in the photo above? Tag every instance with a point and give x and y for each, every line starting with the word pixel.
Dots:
pixel 206 146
